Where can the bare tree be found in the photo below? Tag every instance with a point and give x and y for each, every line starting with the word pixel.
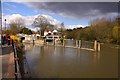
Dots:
pixel 62 26
pixel 42 23
pixel 16 25
pixel 102 28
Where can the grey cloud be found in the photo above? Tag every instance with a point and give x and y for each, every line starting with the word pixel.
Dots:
pixel 77 9
pixel 60 0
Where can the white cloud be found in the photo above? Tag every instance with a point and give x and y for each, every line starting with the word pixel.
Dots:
pixel 52 20
pixel 73 26
pixel 28 19
pixel 11 18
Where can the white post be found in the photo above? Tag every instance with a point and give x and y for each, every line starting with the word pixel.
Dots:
pixel 98 46
pixel 76 43
pixel 95 45
pixel 80 43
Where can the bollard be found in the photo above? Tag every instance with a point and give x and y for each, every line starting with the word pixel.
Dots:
pixel 95 45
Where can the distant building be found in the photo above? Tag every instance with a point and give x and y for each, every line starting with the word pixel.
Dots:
pixel 29 37
pixel 49 32
pixel 52 34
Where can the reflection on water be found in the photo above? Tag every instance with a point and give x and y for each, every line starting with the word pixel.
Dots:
pixel 59 62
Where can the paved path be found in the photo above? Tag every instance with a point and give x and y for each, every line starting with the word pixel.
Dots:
pixel 8 66
pixel 6 50
pixel 7 60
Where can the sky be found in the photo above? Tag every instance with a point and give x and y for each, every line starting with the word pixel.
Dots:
pixel 73 14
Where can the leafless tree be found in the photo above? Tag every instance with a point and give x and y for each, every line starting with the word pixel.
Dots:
pixel 16 25
pixel 42 23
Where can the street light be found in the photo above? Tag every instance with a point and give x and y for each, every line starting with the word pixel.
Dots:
pixel 5 24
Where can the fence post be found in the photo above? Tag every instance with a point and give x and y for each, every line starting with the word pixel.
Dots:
pixel 95 45
pixel 80 43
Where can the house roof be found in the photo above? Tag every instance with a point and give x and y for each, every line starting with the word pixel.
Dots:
pixel 55 31
pixel 49 32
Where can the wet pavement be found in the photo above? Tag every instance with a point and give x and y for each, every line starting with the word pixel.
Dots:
pixel 0 63
pixel 6 50
pixel 6 61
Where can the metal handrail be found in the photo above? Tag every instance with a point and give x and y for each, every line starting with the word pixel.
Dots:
pixel 17 71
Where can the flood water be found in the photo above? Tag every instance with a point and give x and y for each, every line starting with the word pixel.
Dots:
pixel 59 62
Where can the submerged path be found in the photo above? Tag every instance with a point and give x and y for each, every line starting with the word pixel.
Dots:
pixel 59 62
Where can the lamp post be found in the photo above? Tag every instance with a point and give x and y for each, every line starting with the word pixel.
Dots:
pixel 0 26
pixel 5 24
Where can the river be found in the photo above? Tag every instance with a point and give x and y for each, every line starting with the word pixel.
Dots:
pixel 60 62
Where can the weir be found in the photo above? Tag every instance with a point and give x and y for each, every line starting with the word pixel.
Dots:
pixel 79 44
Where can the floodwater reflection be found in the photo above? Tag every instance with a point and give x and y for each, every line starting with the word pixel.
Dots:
pixel 59 62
